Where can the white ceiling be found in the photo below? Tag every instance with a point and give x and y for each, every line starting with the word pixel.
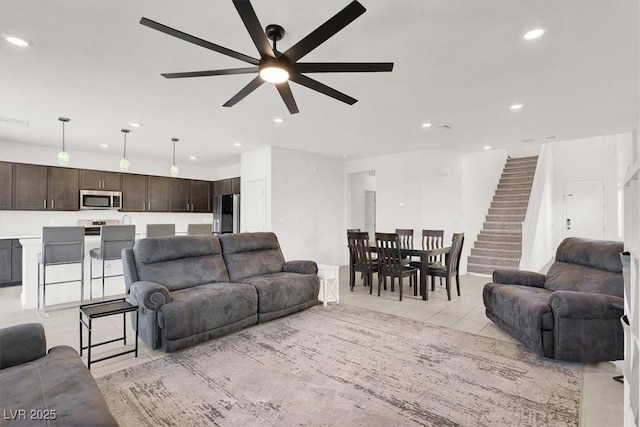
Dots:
pixel 461 63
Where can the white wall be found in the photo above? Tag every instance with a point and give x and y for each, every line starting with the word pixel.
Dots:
pixel 482 172
pixel 583 159
pixel 418 190
pixel 306 197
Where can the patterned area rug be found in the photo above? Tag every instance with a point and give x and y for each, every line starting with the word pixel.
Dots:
pixel 347 366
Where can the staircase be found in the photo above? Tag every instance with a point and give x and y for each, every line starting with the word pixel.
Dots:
pixel 499 244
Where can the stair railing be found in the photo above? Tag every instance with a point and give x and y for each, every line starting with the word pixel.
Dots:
pixel 536 227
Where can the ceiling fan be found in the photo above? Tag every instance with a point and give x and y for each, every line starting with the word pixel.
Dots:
pixel 280 67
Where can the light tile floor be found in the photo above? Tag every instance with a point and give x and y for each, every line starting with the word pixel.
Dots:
pixel 602 397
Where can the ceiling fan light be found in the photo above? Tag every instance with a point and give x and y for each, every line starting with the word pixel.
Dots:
pixel 274 74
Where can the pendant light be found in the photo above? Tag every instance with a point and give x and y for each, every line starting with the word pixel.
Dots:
pixel 124 162
pixel 63 156
pixel 174 168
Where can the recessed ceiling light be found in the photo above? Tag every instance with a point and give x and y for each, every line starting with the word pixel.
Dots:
pixel 136 125
pixel 237 144
pixel 534 34
pixel 426 125
pixel 516 106
pixel 105 146
pixel 487 147
pixel 192 157
pixel 278 120
pixel 17 41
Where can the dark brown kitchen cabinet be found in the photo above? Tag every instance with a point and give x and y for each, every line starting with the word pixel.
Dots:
pixel 235 185
pixel 141 193
pixel 222 187
pixel 30 187
pixel 45 188
pixel 190 195
pixel 158 188
pixel 200 195
pixel 6 178
pixel 180 200
pixel 99 180
pixel 63 190
pixel 10 262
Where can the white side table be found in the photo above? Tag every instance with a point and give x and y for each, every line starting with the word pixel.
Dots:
pixel 329 283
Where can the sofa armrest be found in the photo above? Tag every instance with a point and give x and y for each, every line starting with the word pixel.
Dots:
pixel 21 344
pixel 586 305
pixel 302 267
pixel 150 295
pixel 519 277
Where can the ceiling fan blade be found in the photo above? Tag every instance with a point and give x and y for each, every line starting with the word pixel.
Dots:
pixel 343 67
pixel 250 20
pixel 287 97
pixel 206 73
pixel 325 31
pixel 253 85
pixel 198 41
pixel 322 88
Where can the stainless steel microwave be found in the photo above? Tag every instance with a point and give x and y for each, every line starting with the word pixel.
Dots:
pixel 95 199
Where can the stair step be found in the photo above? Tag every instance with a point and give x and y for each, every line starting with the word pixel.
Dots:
pixel 499 238
pixel 513 226
pixel 516 186
pixel 514 191
pixel 513 234
pixel 496 253
pixel 509 245
pixel 522 159
pixel 485 269
pixel 508 204
pixel 508 211
pixel 516 180
pixel 511 198
pixel 505 218
pixel 486 260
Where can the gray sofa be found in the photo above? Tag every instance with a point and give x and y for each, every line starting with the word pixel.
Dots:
pixel 194 288
pixel 571 313
pixel 40 388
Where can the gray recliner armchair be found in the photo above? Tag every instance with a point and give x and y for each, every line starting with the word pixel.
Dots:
pixel 571 313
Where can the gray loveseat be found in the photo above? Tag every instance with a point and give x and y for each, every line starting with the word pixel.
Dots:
pixel 571 313
pixel 194 288
pixel 48 389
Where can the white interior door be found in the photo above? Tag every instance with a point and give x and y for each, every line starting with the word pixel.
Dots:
pixel 370 213
pixel 584 209
pixel 253 206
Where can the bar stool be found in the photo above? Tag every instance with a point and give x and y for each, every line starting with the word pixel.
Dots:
pixel 113 239
pixel 193 229
pixel 160 230
pixel 60 246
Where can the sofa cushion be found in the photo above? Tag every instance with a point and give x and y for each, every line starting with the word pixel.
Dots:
pixel 251 254
pixel 58 385
pixel 563 276
pixel 524 308
pixel 180 262
pixel 600 254
pixel 206 307
pixel 279 291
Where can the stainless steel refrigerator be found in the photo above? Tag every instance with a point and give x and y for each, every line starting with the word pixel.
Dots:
pixel 226 214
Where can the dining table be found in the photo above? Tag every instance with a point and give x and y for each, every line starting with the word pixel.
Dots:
pixel 424 255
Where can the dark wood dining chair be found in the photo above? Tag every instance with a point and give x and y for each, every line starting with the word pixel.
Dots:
pixel 451 266
pixel 405 236
pixel 361 258
pixel 431 239
pixel 390 262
